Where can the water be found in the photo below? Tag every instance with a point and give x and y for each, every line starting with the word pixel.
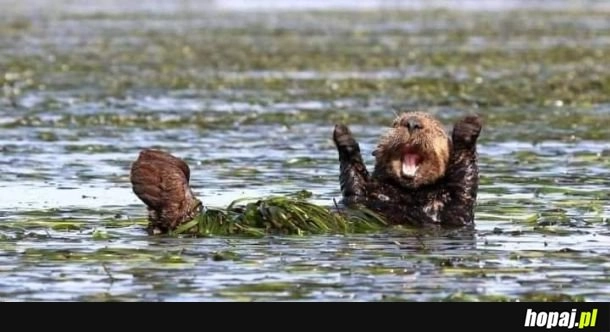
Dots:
pixel 249 99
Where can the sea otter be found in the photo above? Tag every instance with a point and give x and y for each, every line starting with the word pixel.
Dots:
pixel 421 175
pixel 161 181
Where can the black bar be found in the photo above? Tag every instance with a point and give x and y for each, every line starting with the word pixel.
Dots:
pixel 398 316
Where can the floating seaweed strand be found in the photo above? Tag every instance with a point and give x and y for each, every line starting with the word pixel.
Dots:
pixel 279 215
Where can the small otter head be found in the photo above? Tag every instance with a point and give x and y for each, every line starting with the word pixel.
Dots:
pixel 414 152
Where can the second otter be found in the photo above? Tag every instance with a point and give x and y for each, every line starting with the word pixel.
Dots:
pixel 421 175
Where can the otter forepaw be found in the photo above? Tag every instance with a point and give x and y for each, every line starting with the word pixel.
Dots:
pixel 344 140
pixel 467 130
pixel 342 135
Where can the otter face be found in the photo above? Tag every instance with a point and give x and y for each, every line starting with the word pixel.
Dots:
pixel 414 152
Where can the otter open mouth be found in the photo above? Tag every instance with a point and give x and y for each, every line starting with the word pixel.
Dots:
pixel 410 162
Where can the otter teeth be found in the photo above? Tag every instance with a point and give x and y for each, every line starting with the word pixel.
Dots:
pixel 410 164
pixel 409 169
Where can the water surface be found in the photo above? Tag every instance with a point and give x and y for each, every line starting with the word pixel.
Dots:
pixel 249 98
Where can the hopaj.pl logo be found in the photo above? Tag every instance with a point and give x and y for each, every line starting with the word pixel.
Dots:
pixel 566 319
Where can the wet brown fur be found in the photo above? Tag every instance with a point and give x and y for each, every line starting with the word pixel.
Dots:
pixel 161 181
pixel 444 188
pixel 443 191
pixel 430 141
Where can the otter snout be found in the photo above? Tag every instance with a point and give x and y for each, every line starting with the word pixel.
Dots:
pixel 412 123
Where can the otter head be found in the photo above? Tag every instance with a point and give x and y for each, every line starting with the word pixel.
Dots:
pixel 414 152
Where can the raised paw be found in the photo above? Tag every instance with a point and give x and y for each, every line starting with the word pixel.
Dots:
pixel 344 141
pixel 342 135
pixel 161 182
pixel 467 130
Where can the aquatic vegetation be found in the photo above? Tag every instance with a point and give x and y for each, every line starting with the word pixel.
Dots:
pixel 281 215
pixel 250 102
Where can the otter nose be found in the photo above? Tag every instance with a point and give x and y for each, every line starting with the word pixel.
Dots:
pixel 413 124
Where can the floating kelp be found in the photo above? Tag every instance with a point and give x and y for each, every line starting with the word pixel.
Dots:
pixel 280 215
